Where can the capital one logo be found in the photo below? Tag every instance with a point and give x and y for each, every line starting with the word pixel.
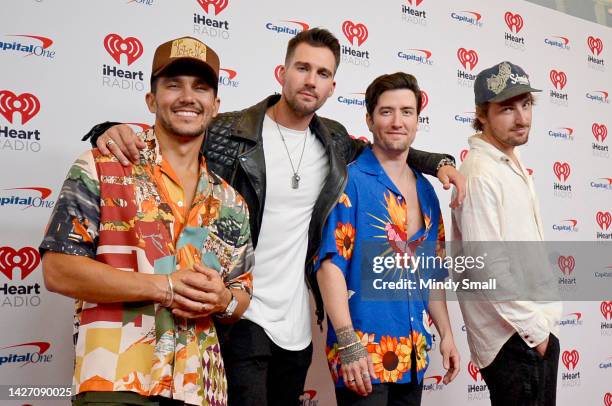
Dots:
pixel 474 371
pixel 354 31
pixel 513 21
pixel 26 258
pixel 566 264
pixel 424 99
pixel 116 46
pixel 600 131
pixel 562 171
pixel 26 104
pixel 467 58
pixel 595 45
pixel 415 3
pixel 558 79
pixel 606 309
pixel 570 359
pixel 141 126
pixel 217 5
pixel 604 219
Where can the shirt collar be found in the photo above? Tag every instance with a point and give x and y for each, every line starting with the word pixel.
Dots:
pixel 152 154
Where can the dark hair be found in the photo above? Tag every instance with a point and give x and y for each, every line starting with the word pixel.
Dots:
pixel 316 37
pixel 393 81
pixel 483 109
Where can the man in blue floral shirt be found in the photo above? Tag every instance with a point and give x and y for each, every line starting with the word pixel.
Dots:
pixel 376 295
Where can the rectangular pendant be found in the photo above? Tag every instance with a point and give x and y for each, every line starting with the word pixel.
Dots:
pixel 295 181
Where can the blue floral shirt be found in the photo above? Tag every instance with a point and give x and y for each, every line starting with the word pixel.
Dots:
pixel 365 236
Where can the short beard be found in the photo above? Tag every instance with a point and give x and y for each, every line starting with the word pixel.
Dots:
pixel 301 109
pixel 182 133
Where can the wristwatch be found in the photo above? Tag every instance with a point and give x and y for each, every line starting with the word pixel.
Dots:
pixel 444 162
pixel 231 307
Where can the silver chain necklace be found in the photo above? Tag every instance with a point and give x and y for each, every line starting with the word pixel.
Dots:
pixel 295 179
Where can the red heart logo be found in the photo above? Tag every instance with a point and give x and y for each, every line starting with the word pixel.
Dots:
pixel 606 309
pixel 566 264
pixel 417 2
pixel 352 31
pixel 473 370
pixel 600 131
pixel 218 5
pixel 26 259
pixel 558 79
pixel 467 58
pixel 604 219
pixel 608 399
pixel 26 103
pixel 595 45
pixel 570 359
pixel 562 171
pixel 513 21
pixel 116 46
pixel 424 99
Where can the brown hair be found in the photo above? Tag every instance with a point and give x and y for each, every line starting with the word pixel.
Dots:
pixel 393 81
pixel 483 109
pixel 316 37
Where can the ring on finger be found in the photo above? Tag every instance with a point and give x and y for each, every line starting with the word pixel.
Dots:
pixel 365 375
pixel 110 142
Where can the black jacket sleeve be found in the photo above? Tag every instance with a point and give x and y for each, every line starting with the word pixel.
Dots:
pixel 97 130
pixel 426 162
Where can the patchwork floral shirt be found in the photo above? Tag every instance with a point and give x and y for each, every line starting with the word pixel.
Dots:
pixel 364 236
pixel 135 219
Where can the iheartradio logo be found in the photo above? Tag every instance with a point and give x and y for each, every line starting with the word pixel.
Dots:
pixel 277 71
pixel 558 79
pixel 354 31
pixel 595 45
pixel 474 371
pixel 566 264
pixel 463 154
pixel 562 170
pixel 27 259
pixel 26 104
pixel 116 46
pixel 415 3
pixel 514 22
pixel 217 5
pixel 606 309
pixel 600 131
pixel 608 399
pixel 424 100
pixel 467 58
pixel 604 219
pixel 570 359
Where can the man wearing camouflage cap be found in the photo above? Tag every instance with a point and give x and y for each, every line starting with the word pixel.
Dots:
pixel 512 336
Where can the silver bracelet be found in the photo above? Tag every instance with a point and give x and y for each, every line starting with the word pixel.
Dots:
pixel 445 162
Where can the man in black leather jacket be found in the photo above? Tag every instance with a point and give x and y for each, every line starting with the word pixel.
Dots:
pixel 264 366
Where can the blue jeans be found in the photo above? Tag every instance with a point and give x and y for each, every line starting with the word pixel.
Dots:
pixel 519 375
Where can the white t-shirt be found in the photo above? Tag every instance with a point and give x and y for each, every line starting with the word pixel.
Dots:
pixel 280 302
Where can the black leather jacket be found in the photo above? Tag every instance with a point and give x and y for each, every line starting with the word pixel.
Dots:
pixel 234 150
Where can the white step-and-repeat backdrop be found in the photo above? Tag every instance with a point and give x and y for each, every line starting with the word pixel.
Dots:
pixel 67 65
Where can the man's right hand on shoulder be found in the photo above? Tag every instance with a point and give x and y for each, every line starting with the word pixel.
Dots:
pixel 120 141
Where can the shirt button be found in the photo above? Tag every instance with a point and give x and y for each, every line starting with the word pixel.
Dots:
pixel 179 203
pixel 178 267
